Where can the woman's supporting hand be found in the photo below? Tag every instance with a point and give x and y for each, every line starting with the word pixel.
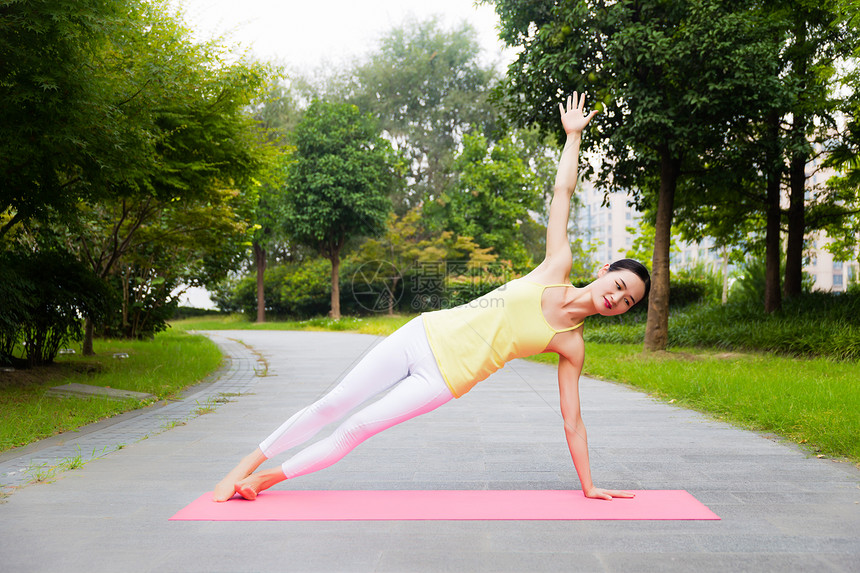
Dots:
pixel 573 118
pixel 597 493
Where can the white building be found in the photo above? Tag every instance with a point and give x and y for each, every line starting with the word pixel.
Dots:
pixel 604 228
pixel 830 275
pixel 607 229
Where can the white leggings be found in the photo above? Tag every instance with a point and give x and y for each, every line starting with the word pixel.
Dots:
pixel 403 361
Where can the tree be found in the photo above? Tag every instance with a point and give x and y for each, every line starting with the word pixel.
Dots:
pixel 179 140
pixel 818 43
pixel 428 88
pixel 339 184
pixel 750 217
pixel 775 155
pixel 643 244
pixel 842 214
pixel 408 245
pixel 494 192
pixel 147 248
pixel 50 292
pixel 56 109
pixel 187 111
pixel 844 226
pixel 277 117
pixel 673 77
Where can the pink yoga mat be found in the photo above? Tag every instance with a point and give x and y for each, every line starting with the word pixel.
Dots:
pixel 445 505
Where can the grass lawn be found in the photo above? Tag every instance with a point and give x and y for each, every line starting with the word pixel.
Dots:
pixel 815 402
pixel 163 366
pixel 380 325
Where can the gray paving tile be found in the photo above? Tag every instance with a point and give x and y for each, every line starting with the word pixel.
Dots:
pixel 711 562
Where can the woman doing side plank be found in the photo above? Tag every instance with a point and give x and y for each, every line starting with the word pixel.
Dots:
pixel 441 355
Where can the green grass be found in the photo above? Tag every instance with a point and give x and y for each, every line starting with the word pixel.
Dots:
pixel 813 325
pixel 814 402
pixel 163 366
pixel 376 324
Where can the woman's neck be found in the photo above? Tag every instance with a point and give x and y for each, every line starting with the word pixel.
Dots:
pixel 577 304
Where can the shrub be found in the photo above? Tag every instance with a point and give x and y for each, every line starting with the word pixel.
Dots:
pixel 144 309
pixel 193 312
pixel 49 293
pixel 813 324
pixel 290 290
pixel 697 284
pixel 14 290
pixel 750 286
pixel 414 291
pixel 230 295
pixel 304 290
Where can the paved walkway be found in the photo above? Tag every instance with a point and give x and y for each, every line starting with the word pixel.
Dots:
pixel 781 509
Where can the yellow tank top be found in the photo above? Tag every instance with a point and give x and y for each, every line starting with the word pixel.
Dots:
pixel 473 340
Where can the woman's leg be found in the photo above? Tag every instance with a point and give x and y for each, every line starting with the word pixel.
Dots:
pixel 384 366
pixel 411 397
pixel 387 363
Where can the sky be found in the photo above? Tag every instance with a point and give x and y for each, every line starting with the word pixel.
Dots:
pixel 306 35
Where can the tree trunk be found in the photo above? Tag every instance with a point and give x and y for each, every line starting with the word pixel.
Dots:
pixel 87 349
pixel 335 283
pixel 725 270
pixel 391 296
pixel 125 278
pixel 657 324
pixel 772 296
pixel 16 218
pixel 260 264
pixel 797 171
pixel 796 226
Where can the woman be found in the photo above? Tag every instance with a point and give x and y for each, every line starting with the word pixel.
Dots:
pixel 441 355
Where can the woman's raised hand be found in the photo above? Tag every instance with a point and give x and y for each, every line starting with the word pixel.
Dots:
pixel 573 119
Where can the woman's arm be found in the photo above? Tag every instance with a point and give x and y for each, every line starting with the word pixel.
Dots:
pixel 573 120
pixel 574 428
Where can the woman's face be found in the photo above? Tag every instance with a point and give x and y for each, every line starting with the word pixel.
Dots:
pixel 615 292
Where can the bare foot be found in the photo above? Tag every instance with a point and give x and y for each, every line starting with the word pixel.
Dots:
pixel 246 490
pixel 252 485
pixel 225 488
